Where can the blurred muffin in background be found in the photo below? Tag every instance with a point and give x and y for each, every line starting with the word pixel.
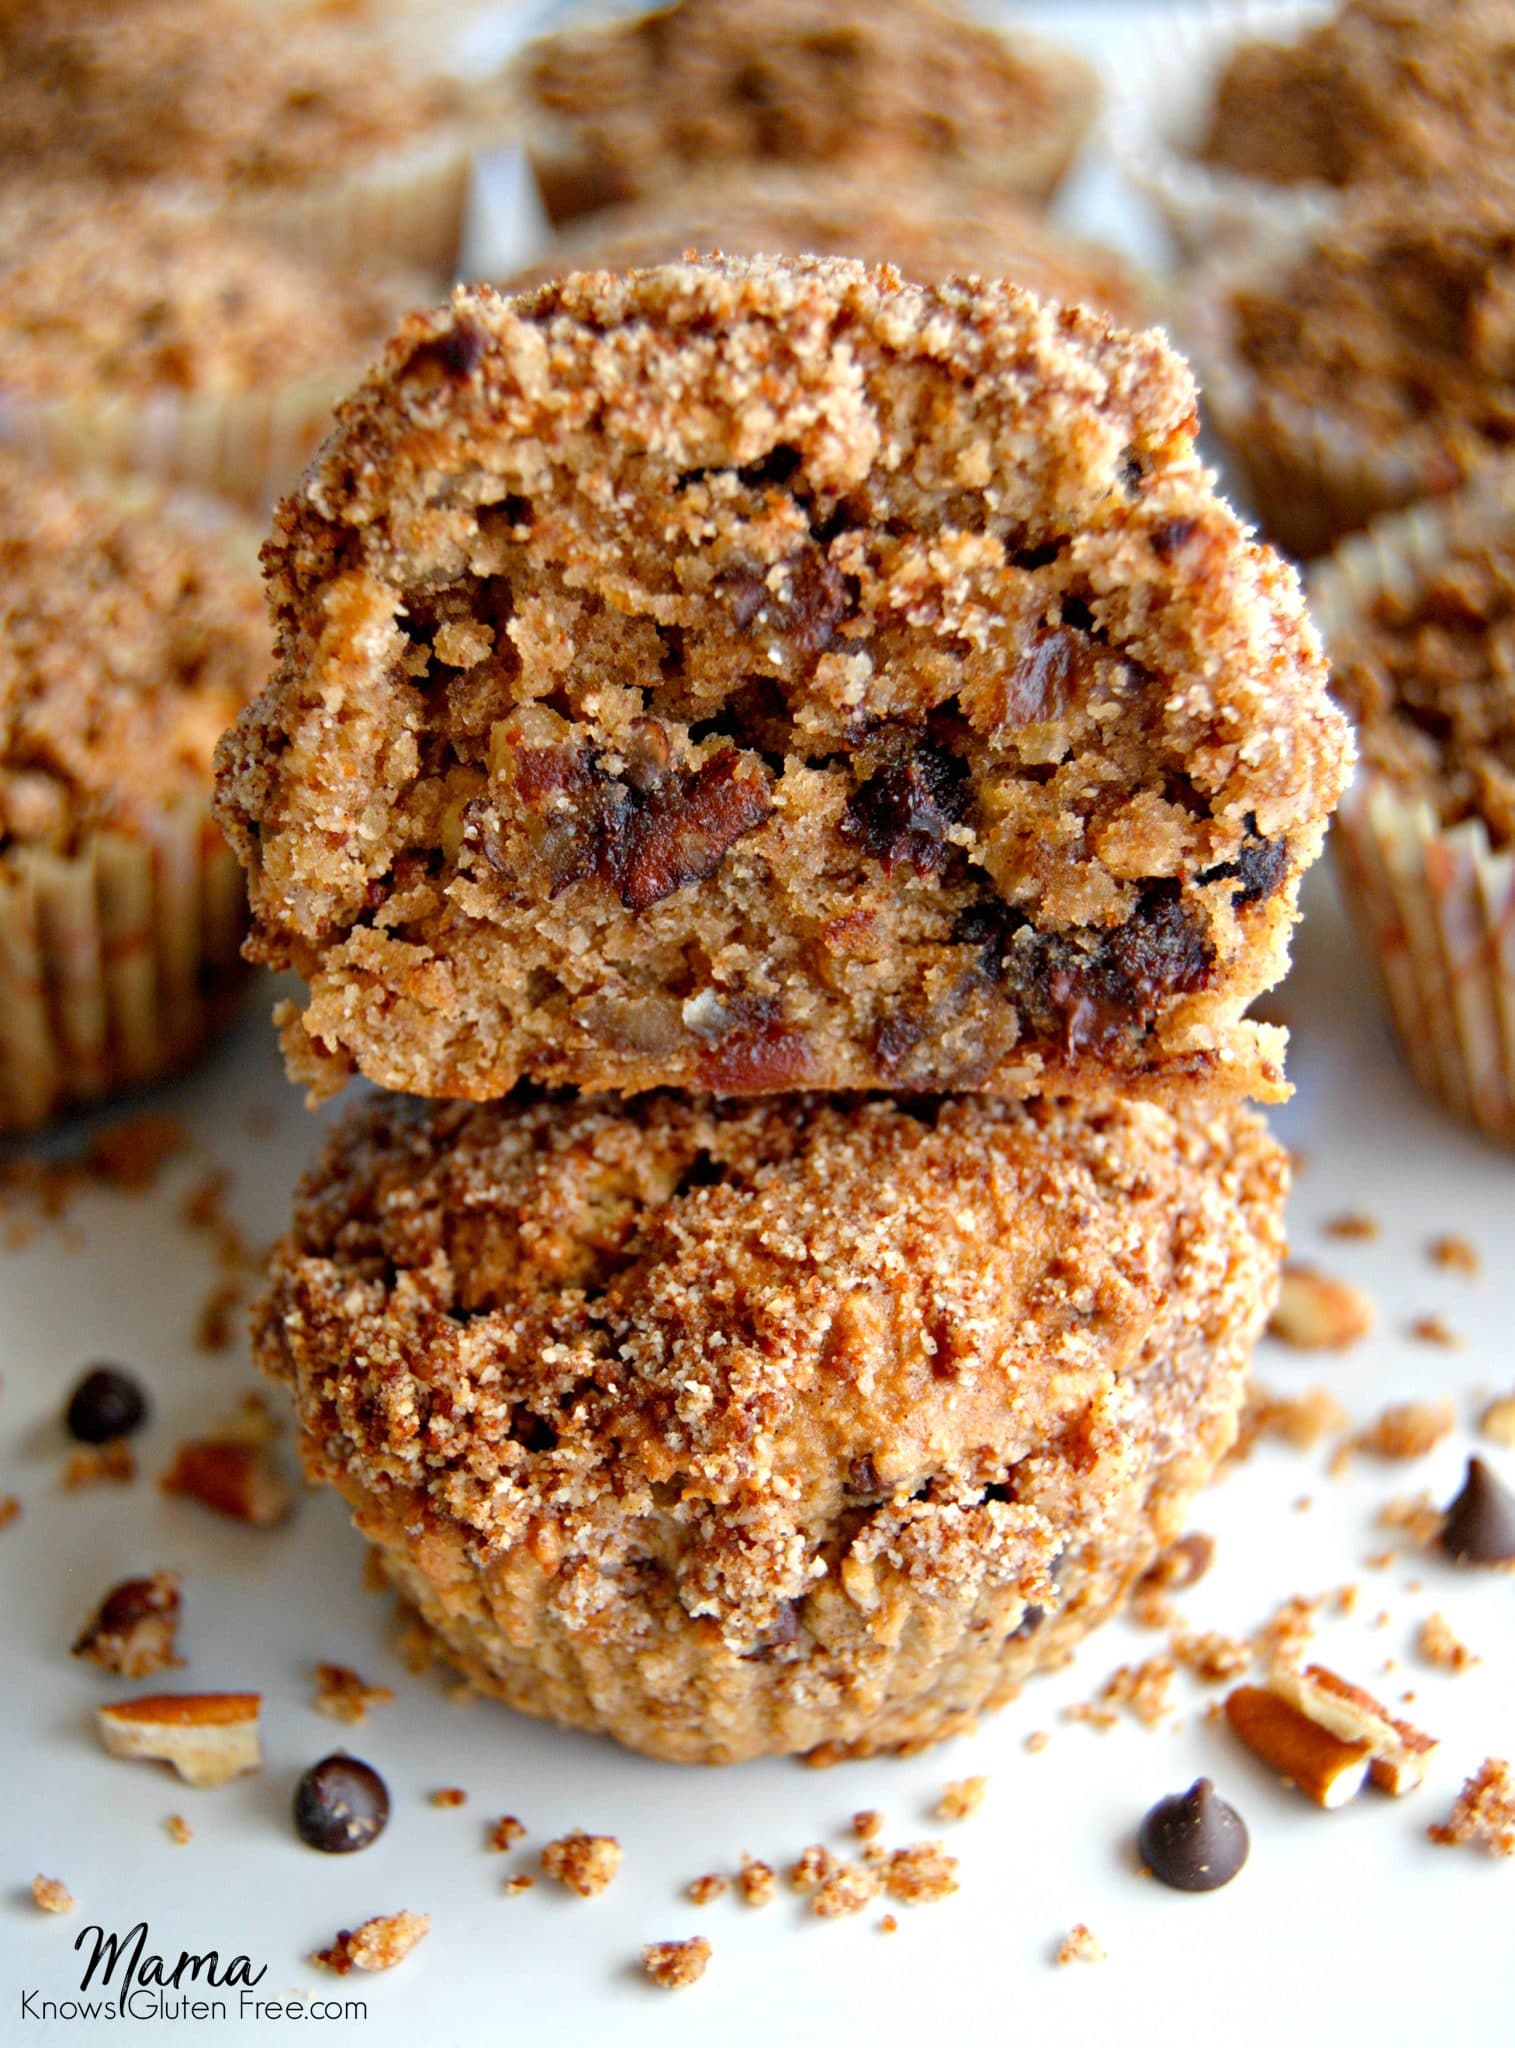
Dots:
pixel 132 632
pixel 614 111
pixel 1419 617
pixel 1247 119
pixel 169 341
pixel 1370 364
pixel 308 118
pixel 929 234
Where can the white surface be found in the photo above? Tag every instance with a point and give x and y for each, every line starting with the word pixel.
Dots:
pixel 1348 1925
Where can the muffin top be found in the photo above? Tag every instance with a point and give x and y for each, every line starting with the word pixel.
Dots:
pixel 106 297
pixel 1429 676
pixel 216 97
pixel 704 80
pixel 1398 320
pixel 755 1323
pixel 1381 90
pixel 131 636
pixel 930 232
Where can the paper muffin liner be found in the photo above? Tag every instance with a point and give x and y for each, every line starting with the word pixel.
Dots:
pixel 1308 476
pixel 246 447
pixel 117 961
pixel 409 209
pixel 1158 119
pixel 1435 905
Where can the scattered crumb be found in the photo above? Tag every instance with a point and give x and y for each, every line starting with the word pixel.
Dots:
pixel 1403 1430
pixel 673 1964
pixel 1416 1515
pixel 1352 1226
pixel 1441 1646
pixel 343 1696
pixel 1143 1690
pixel 703 1891
pixel 506 1832
pixel 889 1925
pixel 1151 1609
pixel 1345 1599
pixel 1484 1811
pixel 1434 1330
pixel 867 1824
pixel 378 1944
pixel 1300 1420
pixel 10 1510
pixel 113 1463
pixel 1080 1946
pixel 586 1864
pixel 1303 1503
pixel 1037 1741
pixel 756 1882
pixel 961 1798
pixel 1318 1313
pixel 179 1829
pixel 1212 1657
pixel 1283 1636
pixel 847 1888
pixel 449 1795
pixel 513 1886
pixel 1454 1255
pixel 1497 1423
pixel 921 1874
pixel 811 1867
pixel 132 1154
pixel 216 1323
pixel 52 1894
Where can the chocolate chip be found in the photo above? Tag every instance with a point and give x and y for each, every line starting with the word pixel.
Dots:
pixel 107 1403
pixel 1028 1624
pixel 131 1602
pixel 1193 1841
pixel 1258 869
pixel 1168 538
pixel 904 811
pixel 457 353
pixel 340 1805
pixel 1480 1523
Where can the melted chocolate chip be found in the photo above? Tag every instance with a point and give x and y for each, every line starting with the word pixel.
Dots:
pixel 131 1602
pixel 107 1403
pixel 903 812
pixel 341 1804
pixel 1168 538
pixel 1193 1841
pixel 1028 1624
pixel 818 597
pixel 1480 1523
pixel 1039 685
pixel 457 353
pixel 1258 869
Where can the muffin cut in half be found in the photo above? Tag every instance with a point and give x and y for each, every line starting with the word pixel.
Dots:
pixel 617 109
pixel 741 1428
pixel 751 675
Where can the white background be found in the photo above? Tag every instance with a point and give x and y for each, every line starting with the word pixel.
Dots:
pixel 1347 1925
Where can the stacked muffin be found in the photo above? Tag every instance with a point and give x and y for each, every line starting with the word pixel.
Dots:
pixel 832 724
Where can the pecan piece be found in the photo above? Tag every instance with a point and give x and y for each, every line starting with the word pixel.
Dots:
pixel 208 1737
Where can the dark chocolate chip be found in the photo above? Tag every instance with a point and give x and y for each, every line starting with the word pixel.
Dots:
pixel 1168 538
pixel 1028 1624
pixel 903 813
pixel 133 1601
pixel 106 1403
pixel 1193 1840
pixel 1257 870
pixel 457 353
pixel 340 1804
pixel 1480 1523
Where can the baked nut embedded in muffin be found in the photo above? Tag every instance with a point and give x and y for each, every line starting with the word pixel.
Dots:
pixel 930 233
pixel 630 107
pixel 131 634
pixel 1380 90
pixel 753 675
pixel 729 1428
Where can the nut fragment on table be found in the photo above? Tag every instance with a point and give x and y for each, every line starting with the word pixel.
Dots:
pixel 233 1478
pixel 134 1629
pixel 1318 1313
pixel 1326 1770
pixel 208 1737
pixel 1400 1753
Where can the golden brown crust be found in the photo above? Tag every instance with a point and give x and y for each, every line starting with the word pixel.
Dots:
pixel 621 110
pixel 762 674
pixel 742 1427
pixel 122 95
pixel 1381 90
pixel 122 297
pixel 131 637
pixel 929 234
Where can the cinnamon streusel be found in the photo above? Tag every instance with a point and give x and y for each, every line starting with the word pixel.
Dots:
pixel 748 675
pixel 626 108
pixel 732 1428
